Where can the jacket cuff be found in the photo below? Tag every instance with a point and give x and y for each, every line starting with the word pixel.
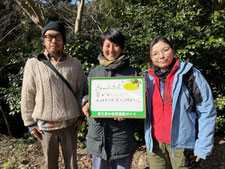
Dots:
pixel 84 100
pixel 32 127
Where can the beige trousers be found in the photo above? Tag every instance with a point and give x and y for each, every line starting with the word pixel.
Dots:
pixel 67 139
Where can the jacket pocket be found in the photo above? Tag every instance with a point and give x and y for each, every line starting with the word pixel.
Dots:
pixel 95 121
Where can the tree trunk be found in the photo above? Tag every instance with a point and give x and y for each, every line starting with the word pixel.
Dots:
pixel 5 116
pixel 35 13
pixel 80 8
pixel 219 5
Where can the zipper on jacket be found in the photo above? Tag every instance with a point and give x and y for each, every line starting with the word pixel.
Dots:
pixel 163 122
pixel 163 110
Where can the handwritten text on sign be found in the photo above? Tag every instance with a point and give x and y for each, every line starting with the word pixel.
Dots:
pixel 117 97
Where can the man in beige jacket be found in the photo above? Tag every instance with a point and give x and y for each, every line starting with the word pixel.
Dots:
pixel 49 108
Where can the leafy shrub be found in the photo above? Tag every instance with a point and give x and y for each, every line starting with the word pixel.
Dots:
pixel 220 121
pixel 196 31
pixel 82 134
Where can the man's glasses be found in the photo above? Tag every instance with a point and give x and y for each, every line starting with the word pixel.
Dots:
pixel 164 51
pixel 51 37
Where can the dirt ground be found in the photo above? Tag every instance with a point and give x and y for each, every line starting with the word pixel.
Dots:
pixel 19 154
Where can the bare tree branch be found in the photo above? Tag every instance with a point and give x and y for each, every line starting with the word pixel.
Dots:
pixel 98 24
pixel 4 113
pixel 10 31
pixel 80 8
pixel 35 13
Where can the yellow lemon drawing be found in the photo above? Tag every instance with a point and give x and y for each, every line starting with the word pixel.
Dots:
pixel 131 86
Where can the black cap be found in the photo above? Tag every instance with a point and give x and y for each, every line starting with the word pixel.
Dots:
pixel 55 25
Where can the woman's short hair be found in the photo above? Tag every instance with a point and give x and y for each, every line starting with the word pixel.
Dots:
pixel 113 35
pixel 153 42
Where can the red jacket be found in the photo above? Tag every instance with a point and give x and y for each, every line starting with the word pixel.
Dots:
pixel 162 109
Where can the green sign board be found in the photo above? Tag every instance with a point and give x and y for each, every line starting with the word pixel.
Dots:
pixel 117 97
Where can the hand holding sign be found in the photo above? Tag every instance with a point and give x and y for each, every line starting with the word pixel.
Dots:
pixel 86 110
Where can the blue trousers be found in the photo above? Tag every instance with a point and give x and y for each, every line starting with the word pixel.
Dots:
pixel 124 163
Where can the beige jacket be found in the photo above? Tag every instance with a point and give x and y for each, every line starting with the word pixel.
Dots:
pixel 45 96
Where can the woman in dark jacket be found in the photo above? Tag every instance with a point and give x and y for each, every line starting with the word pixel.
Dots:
pixel 111 140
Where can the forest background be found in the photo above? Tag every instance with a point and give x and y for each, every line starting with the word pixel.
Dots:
pixel 195 27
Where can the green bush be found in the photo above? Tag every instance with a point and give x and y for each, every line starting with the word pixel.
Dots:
pixel 196 31
pixel 220 121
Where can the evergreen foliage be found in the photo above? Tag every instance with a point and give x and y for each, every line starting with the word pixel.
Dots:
pixel 194 27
